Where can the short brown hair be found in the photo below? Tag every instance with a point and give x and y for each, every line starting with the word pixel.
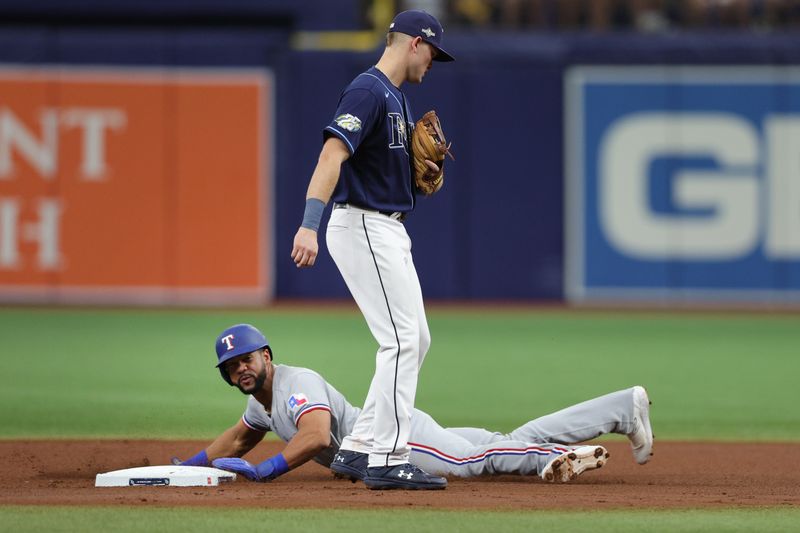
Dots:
pixel 393 36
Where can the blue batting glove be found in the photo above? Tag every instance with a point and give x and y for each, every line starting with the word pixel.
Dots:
pixel 266 471
pixel 238 466
pixel 200 459
pixel 273 467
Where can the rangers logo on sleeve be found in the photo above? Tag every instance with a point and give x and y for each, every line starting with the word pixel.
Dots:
pixel 297 399
pixel 349 122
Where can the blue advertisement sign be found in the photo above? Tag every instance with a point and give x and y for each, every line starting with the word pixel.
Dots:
pixel 683 183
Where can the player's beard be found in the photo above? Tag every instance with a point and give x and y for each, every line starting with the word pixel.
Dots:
pixel 261 377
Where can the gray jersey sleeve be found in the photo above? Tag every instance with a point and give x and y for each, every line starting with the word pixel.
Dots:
pixel 297 391
pixel 255 417
pixel 306 392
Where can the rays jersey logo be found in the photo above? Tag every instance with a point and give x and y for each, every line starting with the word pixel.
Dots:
pixel 398 130
pixel 349 122
pixel 401 129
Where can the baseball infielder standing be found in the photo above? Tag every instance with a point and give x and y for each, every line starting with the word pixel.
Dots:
pixel 365 168
pixel 312 417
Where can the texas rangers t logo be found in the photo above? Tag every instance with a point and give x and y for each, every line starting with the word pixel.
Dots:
pixel 227 340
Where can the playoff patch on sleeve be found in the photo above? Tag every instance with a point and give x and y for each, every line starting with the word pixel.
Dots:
pixel 349 122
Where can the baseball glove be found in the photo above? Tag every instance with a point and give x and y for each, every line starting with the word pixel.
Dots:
pixel 428 142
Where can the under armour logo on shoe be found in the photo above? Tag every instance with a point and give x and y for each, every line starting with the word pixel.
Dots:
pixel 402 473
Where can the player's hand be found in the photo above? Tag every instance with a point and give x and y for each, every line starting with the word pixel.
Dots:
pixel 433 168
pixel 238 466
pixel 263 472
pixel 305 249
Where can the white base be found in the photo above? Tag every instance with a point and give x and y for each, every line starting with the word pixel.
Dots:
pixel 175 476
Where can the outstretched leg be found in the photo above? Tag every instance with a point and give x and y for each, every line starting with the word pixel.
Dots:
pixel 445 452
pixel 611 413
pixel 626 412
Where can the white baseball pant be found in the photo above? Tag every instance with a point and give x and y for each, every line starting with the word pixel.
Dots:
pixel 373 254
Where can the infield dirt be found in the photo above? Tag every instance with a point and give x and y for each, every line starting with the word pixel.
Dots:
pixel 680 475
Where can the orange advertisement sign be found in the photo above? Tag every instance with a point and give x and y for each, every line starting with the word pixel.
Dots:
pixel 128 186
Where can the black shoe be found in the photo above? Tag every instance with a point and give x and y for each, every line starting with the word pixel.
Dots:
pixel 405 476
pixel 351 465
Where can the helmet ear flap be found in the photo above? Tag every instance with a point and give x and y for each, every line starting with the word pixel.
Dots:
pixel 225 375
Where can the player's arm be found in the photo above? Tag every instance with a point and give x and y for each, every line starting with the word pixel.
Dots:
pixel 234 442
pixel 326 174
pixel 313 435
pixel 323 181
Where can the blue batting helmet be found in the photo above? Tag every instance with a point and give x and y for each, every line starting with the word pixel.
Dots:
pixel 238 340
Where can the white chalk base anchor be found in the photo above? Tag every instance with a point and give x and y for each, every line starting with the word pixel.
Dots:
pixel 167 475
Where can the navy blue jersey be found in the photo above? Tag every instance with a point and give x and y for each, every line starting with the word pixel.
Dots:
pixel 375 123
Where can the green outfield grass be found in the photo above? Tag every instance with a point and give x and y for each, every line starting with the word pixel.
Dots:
pixel 150 373
pixel 125 519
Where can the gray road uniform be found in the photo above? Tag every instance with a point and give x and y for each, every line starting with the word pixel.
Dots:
pixel 462 452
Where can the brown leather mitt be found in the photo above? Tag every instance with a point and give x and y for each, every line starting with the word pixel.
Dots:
pixel 428 142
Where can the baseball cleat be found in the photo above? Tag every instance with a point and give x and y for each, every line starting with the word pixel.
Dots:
pixel 350 465
pixel 570 465
pixel 405 476
pixel 642 435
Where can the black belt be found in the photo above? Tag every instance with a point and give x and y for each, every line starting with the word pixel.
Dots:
pixel 396 215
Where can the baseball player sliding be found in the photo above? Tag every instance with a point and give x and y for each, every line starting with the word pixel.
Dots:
pixel 369 171
pixel 313 418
